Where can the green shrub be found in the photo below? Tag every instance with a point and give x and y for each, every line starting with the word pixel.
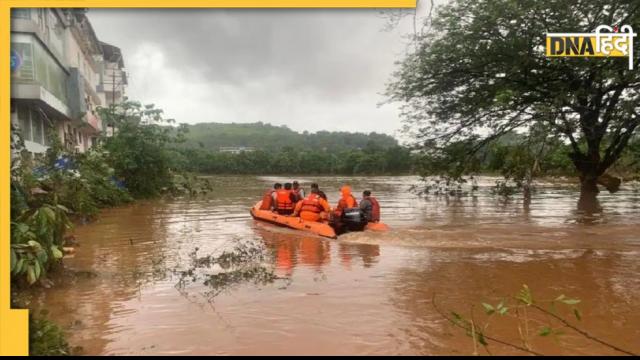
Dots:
pixel 46 338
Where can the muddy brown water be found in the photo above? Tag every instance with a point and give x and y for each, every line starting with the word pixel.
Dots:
pixel 362 294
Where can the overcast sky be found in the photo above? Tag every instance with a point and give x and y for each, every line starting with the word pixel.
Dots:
pixel 307 69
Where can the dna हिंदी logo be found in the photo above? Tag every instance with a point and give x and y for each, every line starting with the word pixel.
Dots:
pixel 604 42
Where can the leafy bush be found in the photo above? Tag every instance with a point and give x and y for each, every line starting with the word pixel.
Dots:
pixel 100 178
pixel 36 241
pixel 46 338
pixel 83 183
pixel 139 148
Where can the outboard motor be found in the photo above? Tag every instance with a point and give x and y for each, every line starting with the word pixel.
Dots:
pixel 353 219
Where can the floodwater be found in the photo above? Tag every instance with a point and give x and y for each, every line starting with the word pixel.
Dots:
pixel 364 293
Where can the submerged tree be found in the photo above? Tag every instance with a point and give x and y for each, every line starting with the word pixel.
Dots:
pixel 481 72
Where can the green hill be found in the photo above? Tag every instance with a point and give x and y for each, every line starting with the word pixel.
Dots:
pixel 213 136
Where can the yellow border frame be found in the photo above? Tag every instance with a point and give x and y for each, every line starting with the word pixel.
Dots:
pixel 14 339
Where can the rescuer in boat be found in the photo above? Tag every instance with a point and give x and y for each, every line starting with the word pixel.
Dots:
pixel 370 207
pixel 269 197
pixel 285 200
pixel 298 191
pixel 346 201
pixel 313 207
pixel 320 192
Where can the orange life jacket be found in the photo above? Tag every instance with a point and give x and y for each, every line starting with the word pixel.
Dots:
pixel 312 204
pixel 349 202
pixel 267 200
pixel 283 199
pixel 375 209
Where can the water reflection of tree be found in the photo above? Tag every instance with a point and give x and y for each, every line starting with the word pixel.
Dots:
pixel 606 285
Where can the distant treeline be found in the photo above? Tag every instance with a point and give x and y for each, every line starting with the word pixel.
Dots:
pixel 517 156
pixel 214 136
pixel 279 150
pixel 368 161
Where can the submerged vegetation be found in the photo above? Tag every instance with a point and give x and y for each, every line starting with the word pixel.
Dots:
pixel 533 318
pixel 245 263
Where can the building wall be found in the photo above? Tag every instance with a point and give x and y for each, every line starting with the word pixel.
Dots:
pixel 46 96
pixel 114 80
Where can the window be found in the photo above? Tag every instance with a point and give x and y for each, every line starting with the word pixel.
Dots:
pixel 25 122
pixel 33 125
pixel 48 72
pixel 48 132
pixel 21 13
pixel 37 126
pixel 42 19
pixel 25 52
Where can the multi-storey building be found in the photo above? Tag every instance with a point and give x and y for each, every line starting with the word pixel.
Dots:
pixel 58 70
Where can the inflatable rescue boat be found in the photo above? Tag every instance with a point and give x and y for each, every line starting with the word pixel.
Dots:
pixel 318 228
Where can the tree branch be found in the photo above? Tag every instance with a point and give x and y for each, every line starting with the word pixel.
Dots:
pixel 499 341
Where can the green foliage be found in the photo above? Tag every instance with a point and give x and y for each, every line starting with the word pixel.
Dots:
pixel 451 162
pixel 394 160
pixel 36 241
pixel 43 200
pixel 189 184
pixel 98 176
pixel 479 72
pixel 46 338
pixel 279 150
pixel 85 187
pixel 629 163
pixel 139 151
pixel 213 136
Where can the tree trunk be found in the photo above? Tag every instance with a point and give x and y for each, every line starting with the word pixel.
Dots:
pixel 589 184
pixel 588 201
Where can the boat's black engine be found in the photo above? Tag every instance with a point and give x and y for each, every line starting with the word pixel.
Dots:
pixel 353 219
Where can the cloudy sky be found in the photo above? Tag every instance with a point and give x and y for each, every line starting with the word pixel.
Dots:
pixel 307 69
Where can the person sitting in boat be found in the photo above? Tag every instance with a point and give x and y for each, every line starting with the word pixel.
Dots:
pixel 320 192
pixel 285 200
pixel 370 207
pixel 313 207
pixel 269 197
pixel 298 191
pixel 346 201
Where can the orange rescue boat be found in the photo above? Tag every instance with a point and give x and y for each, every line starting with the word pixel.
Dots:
pixel 377 226
pixel 319 228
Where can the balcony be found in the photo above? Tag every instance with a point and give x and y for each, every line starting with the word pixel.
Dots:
pixel 82 100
